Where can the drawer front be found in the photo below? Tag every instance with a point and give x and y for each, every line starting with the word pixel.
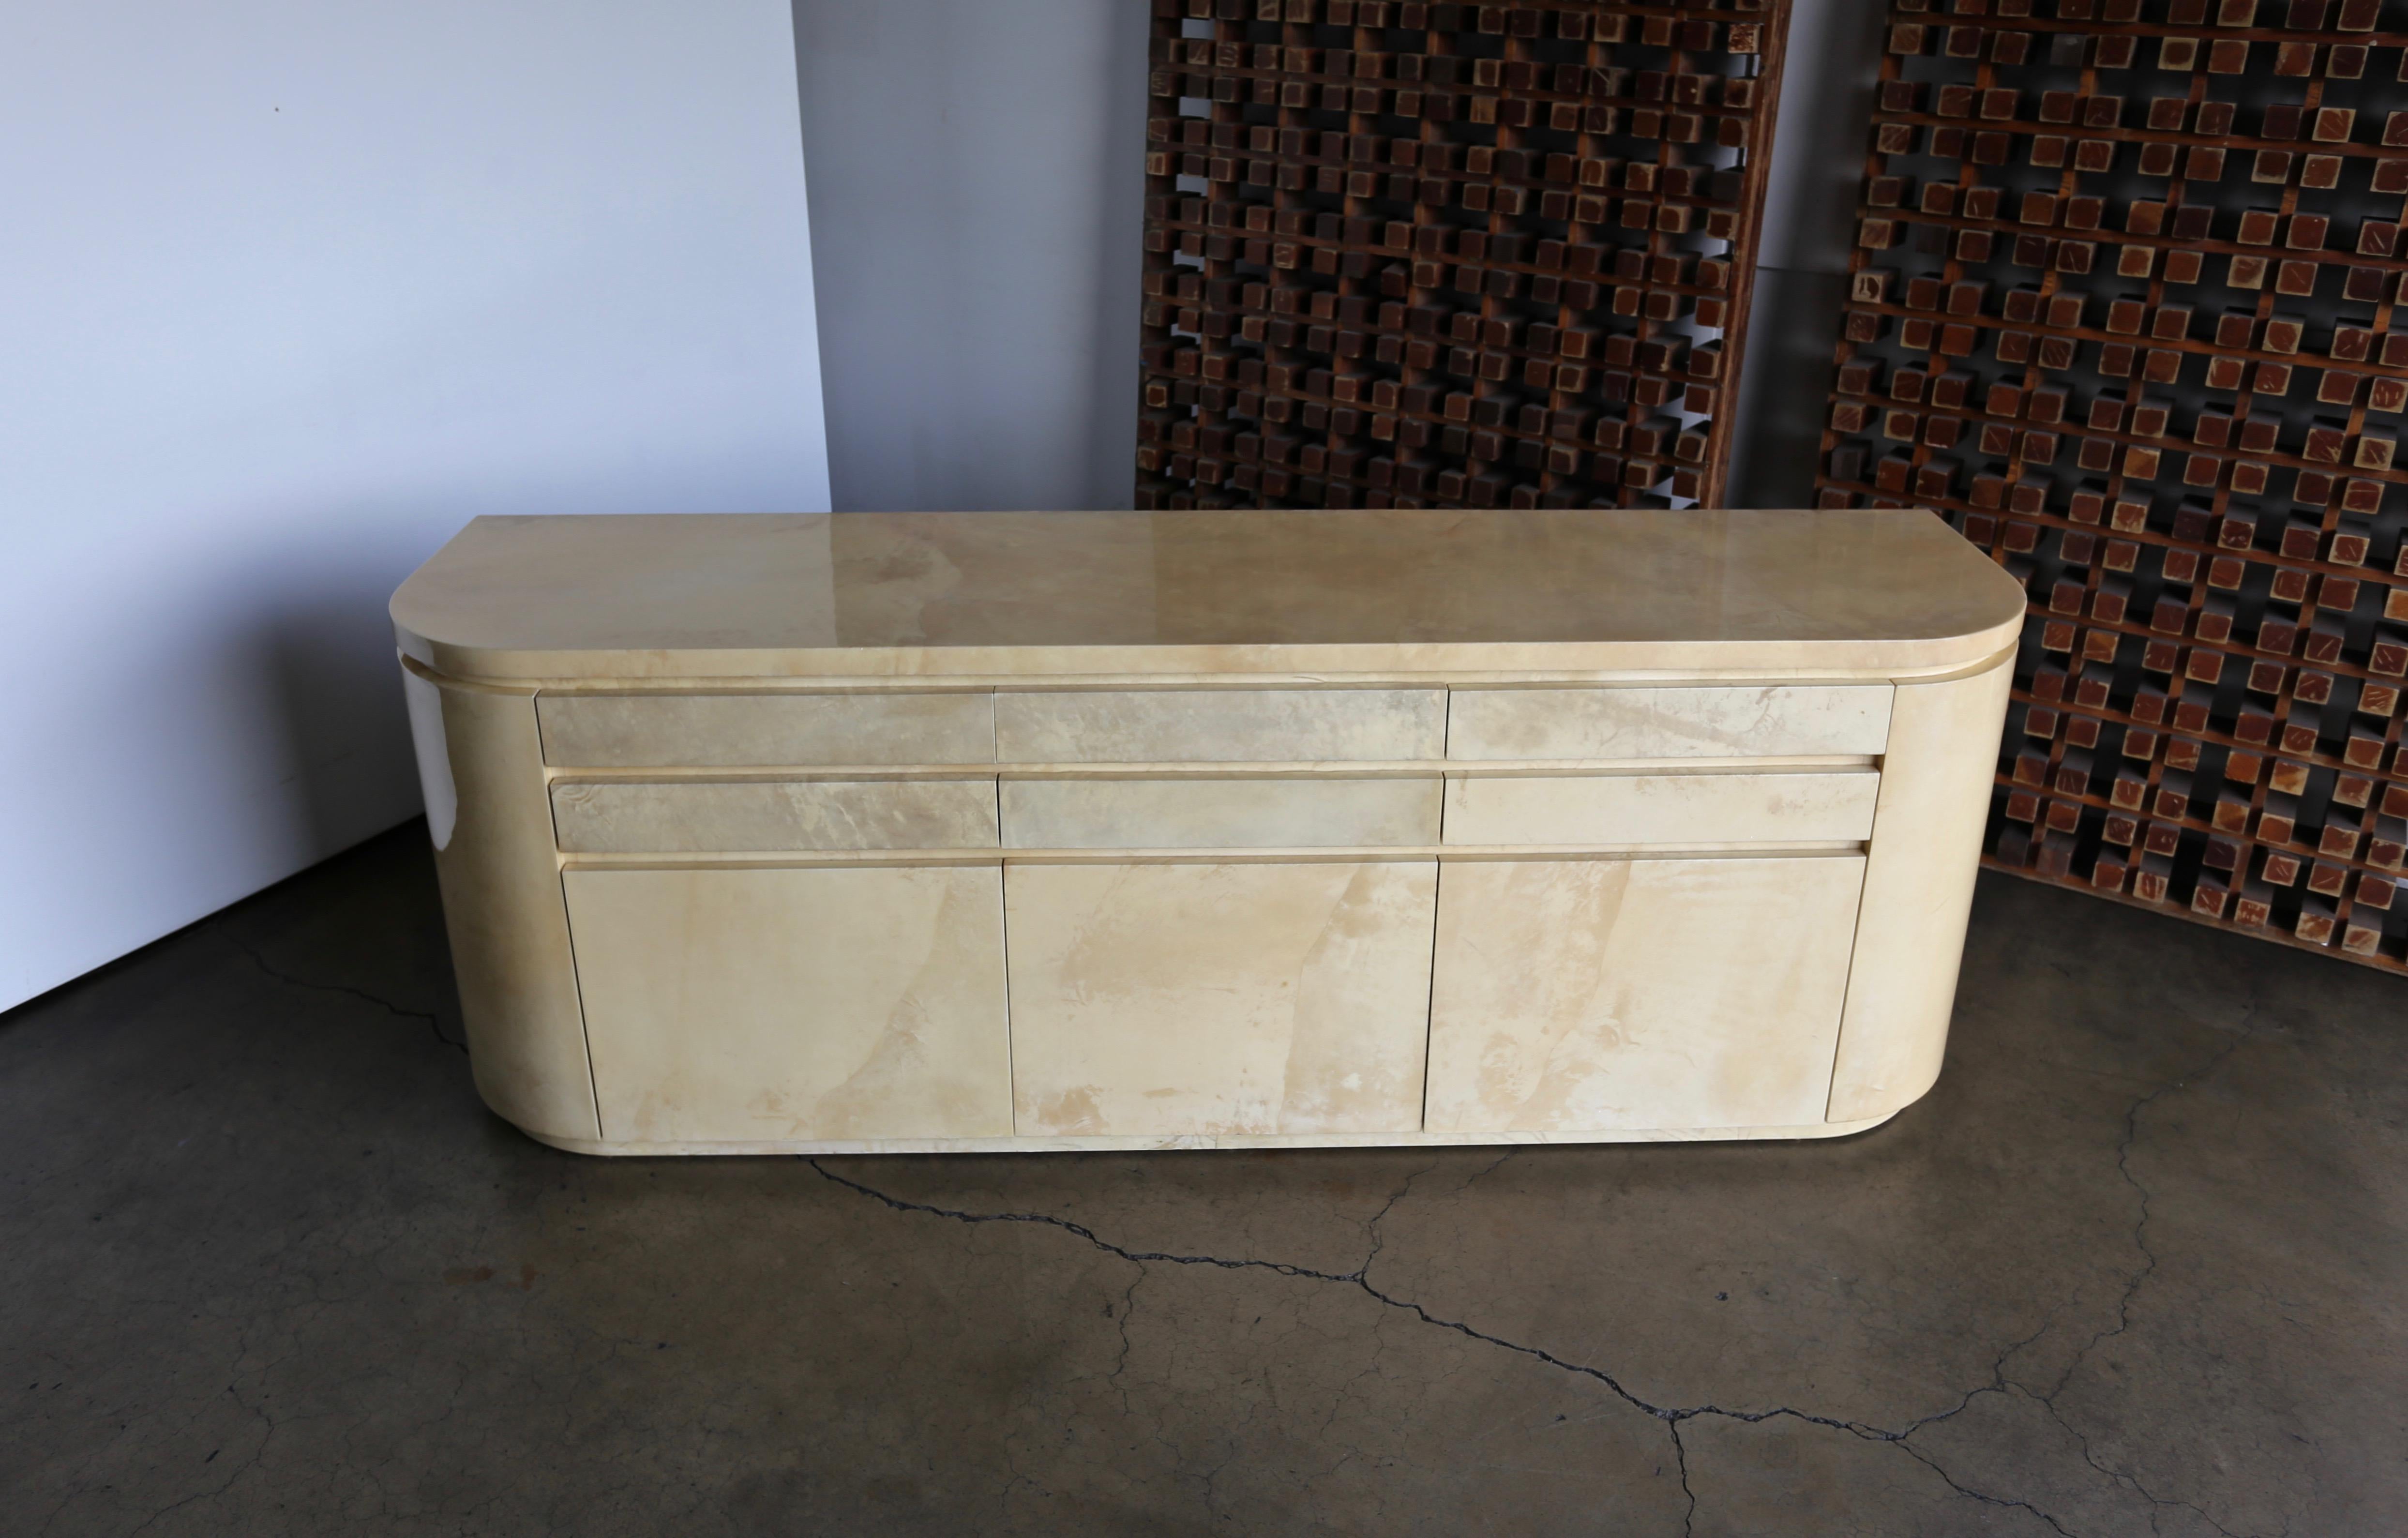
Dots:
pixel 1630 995
pixel 1219 813
pixel 773 816
pixel 724 732
pixel 1663 809
pixel 1221 726
pixel 1781 722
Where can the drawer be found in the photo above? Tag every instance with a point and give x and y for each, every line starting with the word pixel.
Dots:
pixel 1785 721
pixel 1221 726
pixel 773 816
pixel 723 731
pixel 1219 813
pixel 1666 808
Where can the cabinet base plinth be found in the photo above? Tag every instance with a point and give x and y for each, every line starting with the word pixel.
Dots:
pixel 801 1146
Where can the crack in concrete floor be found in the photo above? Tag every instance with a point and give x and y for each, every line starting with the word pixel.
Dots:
pixel 259 960
pixel 1671 1415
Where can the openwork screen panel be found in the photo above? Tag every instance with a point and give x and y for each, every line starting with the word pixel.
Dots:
pixel 1403 254
pixel 2123 307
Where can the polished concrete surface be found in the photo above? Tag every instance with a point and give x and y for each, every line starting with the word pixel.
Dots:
pixel 2140 1265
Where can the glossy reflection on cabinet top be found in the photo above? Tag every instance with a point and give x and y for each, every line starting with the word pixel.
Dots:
pixel 1098 594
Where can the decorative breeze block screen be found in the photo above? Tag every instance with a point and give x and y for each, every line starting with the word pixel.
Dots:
pixel 2122 307
pixel 1411 255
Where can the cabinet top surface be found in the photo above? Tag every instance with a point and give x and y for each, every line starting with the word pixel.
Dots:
pixel 1387 592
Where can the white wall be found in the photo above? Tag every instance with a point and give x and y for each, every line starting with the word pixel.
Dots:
pixel 289 290
pixel 978 167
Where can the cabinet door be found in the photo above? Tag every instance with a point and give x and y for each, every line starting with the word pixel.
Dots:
pixel 1639 995
pixel 765 1006
pixel 1160 1001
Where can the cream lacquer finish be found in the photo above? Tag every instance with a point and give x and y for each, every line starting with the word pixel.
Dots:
pixel 1918 891
pixel 1168 1001
pixel 766 1005
pixel 1794 720
pixel 772 816
pixel 735 730
pixel 899 832
pixel 1625 994
pixel 1427 597
pixel 508 927
pixel 1251 813
pixel 1231 727
pixel 1733 806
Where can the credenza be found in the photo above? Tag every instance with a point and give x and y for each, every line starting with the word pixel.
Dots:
pixel 986 831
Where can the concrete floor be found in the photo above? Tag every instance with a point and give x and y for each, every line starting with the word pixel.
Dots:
pixel 2138 1266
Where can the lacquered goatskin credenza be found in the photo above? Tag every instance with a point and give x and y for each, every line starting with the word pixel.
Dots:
pixel 982 831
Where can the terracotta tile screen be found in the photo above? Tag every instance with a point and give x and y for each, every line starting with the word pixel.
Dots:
pixel 2123 308
pixel 1403 254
